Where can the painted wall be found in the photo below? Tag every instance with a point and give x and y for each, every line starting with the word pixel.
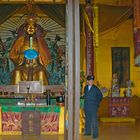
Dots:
pixel 120 36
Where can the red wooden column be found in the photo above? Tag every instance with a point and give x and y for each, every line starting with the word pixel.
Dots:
pixel 89 39
pixel 137 32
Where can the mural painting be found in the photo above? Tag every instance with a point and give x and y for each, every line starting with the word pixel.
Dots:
pixel 53 37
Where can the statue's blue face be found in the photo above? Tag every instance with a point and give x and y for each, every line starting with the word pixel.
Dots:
pixel 30 54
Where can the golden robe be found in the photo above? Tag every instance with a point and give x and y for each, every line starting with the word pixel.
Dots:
pixel 17 54
pixel 22 44
pixel 27 72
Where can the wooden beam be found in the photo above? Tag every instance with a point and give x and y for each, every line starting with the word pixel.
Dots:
pixel 77 69
pixel 36 1
pixel 70 46
pixel 73 45
pixel 104 2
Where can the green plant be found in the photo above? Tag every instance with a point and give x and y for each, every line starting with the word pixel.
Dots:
pixel 82 77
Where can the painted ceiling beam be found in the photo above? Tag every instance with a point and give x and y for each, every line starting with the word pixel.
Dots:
pixel 105 2
pixel 36 1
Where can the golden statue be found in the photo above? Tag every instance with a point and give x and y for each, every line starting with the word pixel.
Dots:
pixel 30 70
pixel 30 37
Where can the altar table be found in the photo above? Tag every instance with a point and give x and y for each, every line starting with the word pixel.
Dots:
pixel 10 122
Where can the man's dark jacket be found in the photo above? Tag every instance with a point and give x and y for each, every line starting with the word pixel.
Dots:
pixel 92 97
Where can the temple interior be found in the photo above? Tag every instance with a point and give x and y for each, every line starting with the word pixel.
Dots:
pixel 47 49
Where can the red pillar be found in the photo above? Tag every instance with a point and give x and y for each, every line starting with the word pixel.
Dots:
pixel 89 40
pixel 137 32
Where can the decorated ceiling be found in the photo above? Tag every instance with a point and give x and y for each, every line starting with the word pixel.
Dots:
pixel 111 12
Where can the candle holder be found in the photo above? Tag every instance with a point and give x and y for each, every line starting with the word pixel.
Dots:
pixel 28 89
pixel 48 97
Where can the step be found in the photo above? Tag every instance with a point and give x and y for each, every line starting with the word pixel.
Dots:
pixel 117 119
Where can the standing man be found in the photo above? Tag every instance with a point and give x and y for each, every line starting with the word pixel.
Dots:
pixel 93 97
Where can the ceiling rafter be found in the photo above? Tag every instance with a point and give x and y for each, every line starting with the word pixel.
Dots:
pixel 105 2
pixel 36 1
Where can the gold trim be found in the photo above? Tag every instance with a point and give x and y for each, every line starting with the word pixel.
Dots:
pixel 11 133
pixel 95 27
pixel 0 120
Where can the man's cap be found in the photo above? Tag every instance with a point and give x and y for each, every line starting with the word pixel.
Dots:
pixel 90 77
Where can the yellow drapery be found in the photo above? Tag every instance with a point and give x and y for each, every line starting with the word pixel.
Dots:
pixel 83 37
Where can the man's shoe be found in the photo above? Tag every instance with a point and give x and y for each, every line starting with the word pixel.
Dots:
pixel 87 134
pixel 95 138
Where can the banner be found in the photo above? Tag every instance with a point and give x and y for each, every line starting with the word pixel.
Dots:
pixel 88 16
pixel 119 107
pixel 137 32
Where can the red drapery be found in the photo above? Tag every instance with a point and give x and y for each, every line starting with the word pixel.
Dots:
pixel 89 41
pixel 137 32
